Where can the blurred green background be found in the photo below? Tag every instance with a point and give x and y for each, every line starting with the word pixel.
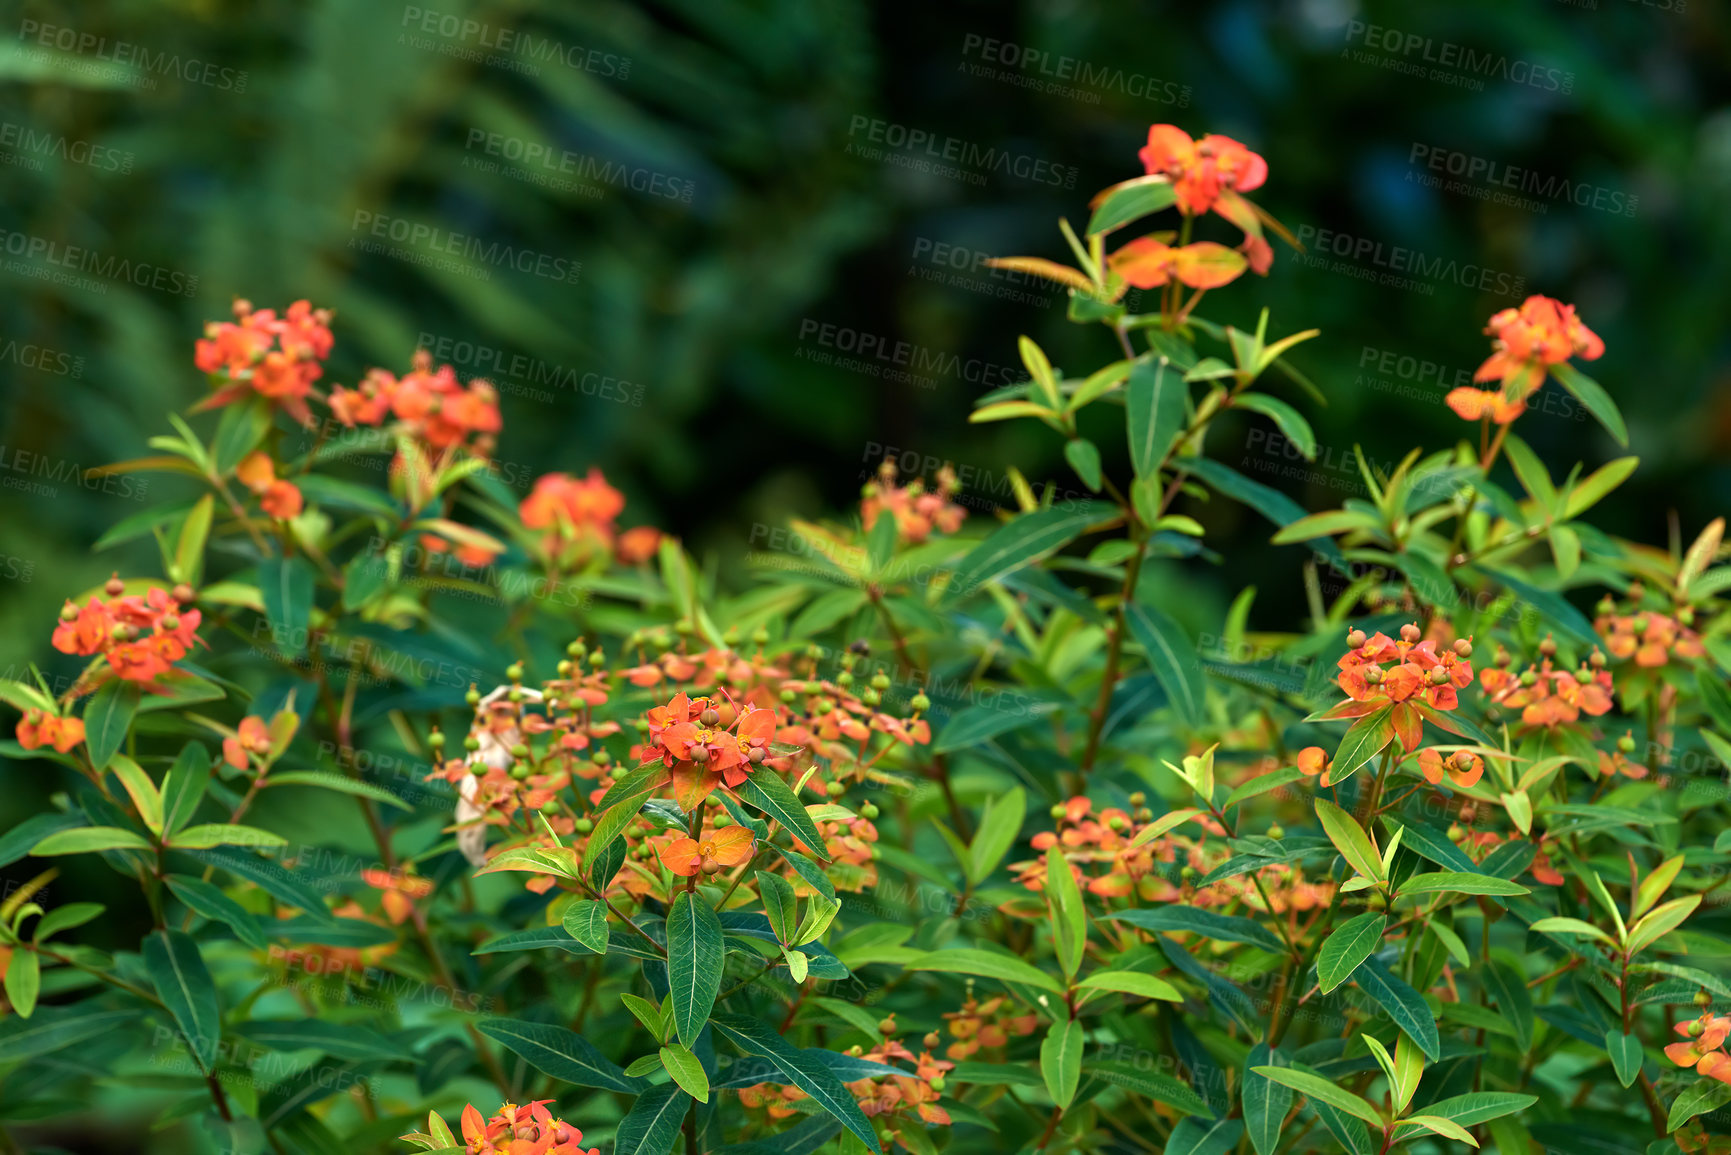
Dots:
pixel 711 167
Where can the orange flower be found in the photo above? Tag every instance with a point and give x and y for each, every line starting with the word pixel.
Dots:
pixel 1147 264
pixel 281 500
pixel 638 544
pixel 37 728
pixel 526 1130
pixel 141 636
pixel 916 510
pixel 729 846
pixel 1201 171
pixel 1463 769
pixel 575 516
pixel 1472 404
pixel 1529 340
pixel 1312 762
pixel 1706 1034
pixel 1411 677
pixel 240 355
pixel 254 738
pixel 400 891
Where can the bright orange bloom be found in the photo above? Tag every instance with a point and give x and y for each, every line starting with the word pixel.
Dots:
pixel 1463 769
pixel 1313 762
pixel 260 353
pixel 1652 639
pixel 1147 264
pixel 1706 1035
pixel 281 500
pixel 400 891
pixel 917 511
pixel 254 738
pixel 527 1130
pixel 1541 333
pixel 638 544
pixel 1203 170
pixel 575 515
pixel 729 846
pixel 38 728
pixel 1410 676
pixel 142 637
pixel 1472 404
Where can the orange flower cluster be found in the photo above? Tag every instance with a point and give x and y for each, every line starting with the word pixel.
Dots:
pixel 260 353
pixel 1529 340
pixel 575 518
pixel 38 728
pixel 1208 175
pixel 894 1101
pixel 432 405
pixel 1703 1051
pixel 1463 768
pixel 142 637
pixel 1549 698
pixel 281 499
pixel 1414 677
pixel 400 889
pixel 527 1130
pixel 1103 841
pixel 714 852
pixel 917 510
pixel 989 1025
pixel 1651 639
pixel 702 750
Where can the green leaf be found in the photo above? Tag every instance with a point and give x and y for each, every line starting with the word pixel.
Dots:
pixel 274 878
pixel 242 427
pixel 1342 951
pixel 985 964
pixel 1061 1060
pixel 563 1054
pixel 84 839
pixel 1154 403
pixel 184 785
pixel 1591 489
pixel 765 790
pixel 1458 882
pixel 1000 823
pixel 211 834
pixel 687 1070
pixel 617 808
pixel 542 938
pixel 1132 983
pixel 1265 1102
pixel 1084 458
pixel 1508 987
pixel 52 1028
pixel 23 981
pixel 804 1070
pixel 694 963
pixel 1592 395
pixel 1404 1005
pixel 1289 420
pixel 189 547
pixel 1131 201
pixel 586 921
pixel 1270 503
pixel 1152 1084
pixel 207 901
pixel 1208 923
pixel 1698 1099
pixel 1173 658
pixel 779 904
pixel 286 585
pixel 339 1040
pixel 341 783
pixel 107 718
pixel 1350 839
pixel 73 914
pixel 1363 741
pixel 1324 524
pixel 979 724
pixel 653 1122
pixel 1554 607
pixel 1441 1126
pixel 1316 1087
pixel 1625 1052
pixel 1197 1137
pixel 1017 543
pixel 1069 916
pixel 172 960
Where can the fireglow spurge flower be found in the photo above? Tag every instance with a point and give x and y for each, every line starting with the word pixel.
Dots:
pixel 141 636
pixel 1528 342
pixel 1413 679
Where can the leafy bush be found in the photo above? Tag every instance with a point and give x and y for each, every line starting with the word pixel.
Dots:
pixel 1430 870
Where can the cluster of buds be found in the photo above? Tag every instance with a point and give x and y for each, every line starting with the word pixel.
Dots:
pixel 38 728
pixel 1704 1049
pixel 260 353
pixel 1618 761
pixel 1527 342
pixel 896 1102
pixel 988 1025
pixel 1548 697
pixel 429 404
pixel 141 636
pixel 1102 842
pixel 1416 680
pixel 574 517
pixel 1650 638
pixel 917 511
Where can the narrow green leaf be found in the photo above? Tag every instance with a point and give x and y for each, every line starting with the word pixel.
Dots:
pixel 1154 401
pixel 1350 839
pixel 1019 542
pixel 563 1054
pixel 765 790
pixel 84 839
pixel 694 963
pixel 1173 658
pixel 107 718
pixel 1061 1060
pixel 1314 1086
pixel 586 921
pixel 1348 946
pixel 653 1122
pixel 804 1070
pixel 968 961
pixel 184 984
pixel 687 1070
pixel 1404 1005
